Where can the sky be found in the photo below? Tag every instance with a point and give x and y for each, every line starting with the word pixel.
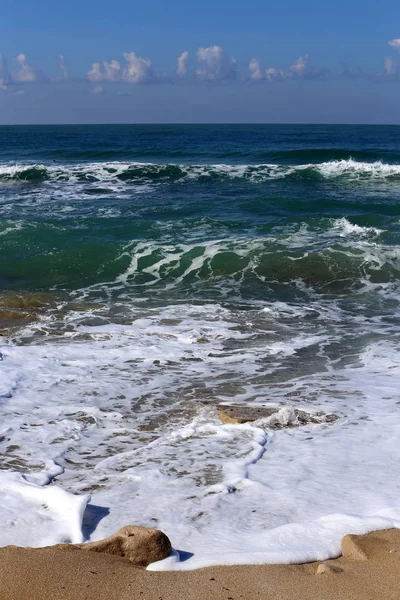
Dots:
pixel 206 62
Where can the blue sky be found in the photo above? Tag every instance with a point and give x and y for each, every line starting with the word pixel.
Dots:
pixel 261 61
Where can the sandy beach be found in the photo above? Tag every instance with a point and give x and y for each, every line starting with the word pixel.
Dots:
pixel 369 570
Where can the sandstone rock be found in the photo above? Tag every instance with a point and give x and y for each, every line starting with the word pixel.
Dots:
pixel 239 413
pixel 140 545
pixel 328 568
pixel 273 416
pixel 352 547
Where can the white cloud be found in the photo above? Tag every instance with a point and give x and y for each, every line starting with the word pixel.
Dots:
pixel 108 71
pixel 182 64
pixel 215 64
pixel 273 74
pixel 255 70
pixel 395 44
pixel 135 70
pixel 95 73
pixel 113 71
pixel 299 66
pixel 300 69
pixel 138 70
pixel 25 72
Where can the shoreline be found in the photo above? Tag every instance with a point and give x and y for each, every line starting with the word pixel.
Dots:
pixel 369 569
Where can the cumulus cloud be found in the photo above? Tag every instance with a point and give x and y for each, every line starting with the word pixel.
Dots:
pixel 215 64
pixel 113 71
pixel 135 70
pixel 138 70
pixel 95 73
pixel 395 44
pixel 25 72
pixel 182 64
pixel 255 70
pixel 257 74
pixel 299 66
pixel 300 69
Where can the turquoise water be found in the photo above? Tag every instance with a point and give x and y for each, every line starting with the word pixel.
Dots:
pixel 72 199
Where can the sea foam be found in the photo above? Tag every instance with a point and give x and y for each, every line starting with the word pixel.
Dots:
pixel 267 495
pixel 136 172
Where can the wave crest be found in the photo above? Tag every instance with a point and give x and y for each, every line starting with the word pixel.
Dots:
pixel 29 173
pixel 153 172
pixel 336 267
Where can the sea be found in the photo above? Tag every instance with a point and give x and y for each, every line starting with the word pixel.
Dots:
pixel 154 278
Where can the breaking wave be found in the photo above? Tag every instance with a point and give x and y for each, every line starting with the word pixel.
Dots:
pixel 332 254
pixel 337 267
pixel 136 172
pixel 29 173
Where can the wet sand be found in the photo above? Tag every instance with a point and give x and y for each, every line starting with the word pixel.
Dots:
pixel 370 570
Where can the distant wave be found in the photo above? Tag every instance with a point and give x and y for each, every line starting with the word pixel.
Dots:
pixel 153 172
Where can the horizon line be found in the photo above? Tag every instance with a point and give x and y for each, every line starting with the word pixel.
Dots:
pixel 244 123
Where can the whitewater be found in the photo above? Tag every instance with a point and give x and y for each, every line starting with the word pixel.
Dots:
pixel 139 296
pixel 115 171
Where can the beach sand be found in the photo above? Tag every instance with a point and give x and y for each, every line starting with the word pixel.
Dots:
pixel 369 570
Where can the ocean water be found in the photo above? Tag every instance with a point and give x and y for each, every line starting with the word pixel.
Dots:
pixel 149 274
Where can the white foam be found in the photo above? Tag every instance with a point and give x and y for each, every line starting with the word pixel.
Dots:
pixel 12 170
pixel 356 169
pixel 229 494
pixel 12 228
pixel 35 514
pixel 110 171
pixel 288 544
pixel 345 229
